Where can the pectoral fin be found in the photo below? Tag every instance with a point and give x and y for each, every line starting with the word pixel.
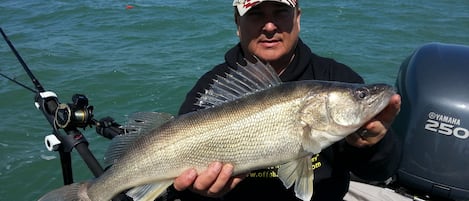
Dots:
pixel 301 173
pixel 310 144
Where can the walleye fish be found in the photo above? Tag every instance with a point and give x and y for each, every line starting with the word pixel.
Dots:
pixel 251 120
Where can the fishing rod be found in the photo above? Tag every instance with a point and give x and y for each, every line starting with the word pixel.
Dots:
pixel 68 117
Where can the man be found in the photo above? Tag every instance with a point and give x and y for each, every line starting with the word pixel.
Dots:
pixel 269 30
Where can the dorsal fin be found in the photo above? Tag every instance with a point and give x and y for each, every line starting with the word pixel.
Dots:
pixel 237 83
pixel 138 124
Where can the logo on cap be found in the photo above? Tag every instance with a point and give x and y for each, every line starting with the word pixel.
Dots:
pixel 244 5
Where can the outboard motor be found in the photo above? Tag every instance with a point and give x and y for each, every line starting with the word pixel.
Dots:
pixel 434 121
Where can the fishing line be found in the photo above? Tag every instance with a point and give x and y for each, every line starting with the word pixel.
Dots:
pixel 18 83
pixel 25 66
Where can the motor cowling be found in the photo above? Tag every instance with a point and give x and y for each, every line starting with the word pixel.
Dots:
pixel 433 124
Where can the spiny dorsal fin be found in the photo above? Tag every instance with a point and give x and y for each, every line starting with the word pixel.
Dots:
pixel 237 83
pixel 138 124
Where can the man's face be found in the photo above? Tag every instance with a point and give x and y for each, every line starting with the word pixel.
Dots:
pixel 269 31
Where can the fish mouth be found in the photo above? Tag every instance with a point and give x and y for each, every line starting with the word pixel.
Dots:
pixel 381 101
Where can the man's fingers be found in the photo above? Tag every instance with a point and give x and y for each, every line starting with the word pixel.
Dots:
pixel 215 181
pixel 222 182
pixel 185 180
pixel 207 178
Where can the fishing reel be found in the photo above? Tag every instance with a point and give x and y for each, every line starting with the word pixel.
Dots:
pixel 77 114
pixel 68 117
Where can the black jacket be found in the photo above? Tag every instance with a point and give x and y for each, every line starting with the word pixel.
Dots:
pixel 333 165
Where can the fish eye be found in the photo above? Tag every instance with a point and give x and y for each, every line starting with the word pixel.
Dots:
pixel 362 93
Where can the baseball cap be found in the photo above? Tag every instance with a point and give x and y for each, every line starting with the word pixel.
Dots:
pixel 244 5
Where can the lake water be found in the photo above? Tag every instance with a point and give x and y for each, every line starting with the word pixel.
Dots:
pixel 147 57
